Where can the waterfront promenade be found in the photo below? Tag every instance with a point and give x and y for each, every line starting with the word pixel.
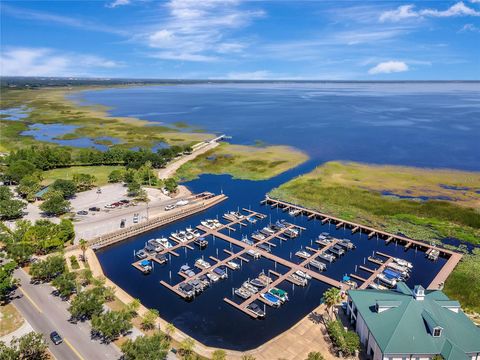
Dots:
pixel 294 344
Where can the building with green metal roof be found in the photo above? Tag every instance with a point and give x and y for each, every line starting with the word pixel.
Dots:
pixel 412 324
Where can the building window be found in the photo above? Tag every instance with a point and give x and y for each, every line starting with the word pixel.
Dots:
pixel 437 332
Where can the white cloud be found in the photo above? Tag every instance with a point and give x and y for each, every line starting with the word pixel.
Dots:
pixel 254 75
pixel 48 62
pixel 116 3
pixel 469 28
pixel 402 12
pixel 388 67
pixel 54 19
pixel 199 30
pixel 408 12
pixel 172 55
pixel 458 9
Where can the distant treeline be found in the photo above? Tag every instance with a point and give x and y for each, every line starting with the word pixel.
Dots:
pixel 22 82
pixel 49 157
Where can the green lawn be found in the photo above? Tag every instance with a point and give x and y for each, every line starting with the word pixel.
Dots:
pixel 10 319
pixel 243 162
pixel 100 172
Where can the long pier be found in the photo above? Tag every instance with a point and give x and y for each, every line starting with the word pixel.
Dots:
pixel 453 257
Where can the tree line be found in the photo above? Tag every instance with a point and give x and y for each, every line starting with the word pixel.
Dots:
pixel 45 157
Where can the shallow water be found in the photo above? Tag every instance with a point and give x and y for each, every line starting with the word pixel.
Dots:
pixel 51 132
pixel 434 125
pixel 15 114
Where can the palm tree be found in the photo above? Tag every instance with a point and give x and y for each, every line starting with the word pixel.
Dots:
pixel 83 246
pixel 331 298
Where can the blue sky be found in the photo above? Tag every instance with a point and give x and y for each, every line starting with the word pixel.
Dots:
pixel 234 39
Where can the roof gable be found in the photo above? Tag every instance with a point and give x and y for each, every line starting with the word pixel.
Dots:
pixel 409 324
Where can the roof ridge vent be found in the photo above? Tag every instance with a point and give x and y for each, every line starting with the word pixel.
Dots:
pixel 419 292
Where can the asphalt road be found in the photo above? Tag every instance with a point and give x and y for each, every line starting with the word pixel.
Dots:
pixel 47 313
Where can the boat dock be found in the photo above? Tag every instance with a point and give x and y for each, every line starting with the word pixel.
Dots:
pixel 245 248
pixel 372 277
pixel 452 256
pixel 187 244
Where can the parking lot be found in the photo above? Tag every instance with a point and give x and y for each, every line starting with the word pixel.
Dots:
pixel 96 223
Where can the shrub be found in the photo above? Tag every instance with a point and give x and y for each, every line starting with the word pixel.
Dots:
pixel 74 262
pixel 346 341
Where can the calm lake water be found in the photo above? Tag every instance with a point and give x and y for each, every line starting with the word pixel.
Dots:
pixel 419 124
pixel 433 125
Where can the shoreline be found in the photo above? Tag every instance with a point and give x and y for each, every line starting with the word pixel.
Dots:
pixel 285 341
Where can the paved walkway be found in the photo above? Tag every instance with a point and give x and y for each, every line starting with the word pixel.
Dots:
pixel 294 344
pixel 22 330
pixel 309 334
pixel 172 168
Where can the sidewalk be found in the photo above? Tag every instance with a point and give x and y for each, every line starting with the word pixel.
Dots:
pixel 309 334
pixel 22 330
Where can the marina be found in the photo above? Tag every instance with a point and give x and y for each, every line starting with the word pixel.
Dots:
pixel 236 253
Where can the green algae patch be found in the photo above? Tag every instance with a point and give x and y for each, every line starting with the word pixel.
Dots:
pixel 356 192
pixel 243 162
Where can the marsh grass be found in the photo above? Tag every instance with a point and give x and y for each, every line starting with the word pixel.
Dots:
pixel 50 106
pixel 243 162
pixel 325 189
pixel 463 284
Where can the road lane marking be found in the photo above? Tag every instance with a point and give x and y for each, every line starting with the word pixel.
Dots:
pixel 73 349
pixel 31 300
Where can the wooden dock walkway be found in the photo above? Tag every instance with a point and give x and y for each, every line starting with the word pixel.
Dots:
pixel 244 249
pixel 371 231
pixel 375 273
pixel 438 281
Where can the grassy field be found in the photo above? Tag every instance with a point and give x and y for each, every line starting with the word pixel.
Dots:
pixel 354 192
pixel 463 283
pixel 10 319
pixel 243 162
pixel 50 106
pixel 100 172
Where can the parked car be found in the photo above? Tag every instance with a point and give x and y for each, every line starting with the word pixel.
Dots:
pixel 135 218
pixel 94 208
pixel 122 223
pixel 82 212
pixel 170 207
pixel 56 338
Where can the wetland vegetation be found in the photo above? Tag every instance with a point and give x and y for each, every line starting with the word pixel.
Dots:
pixel 52 106
pixel 357 192
pixel 243 162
